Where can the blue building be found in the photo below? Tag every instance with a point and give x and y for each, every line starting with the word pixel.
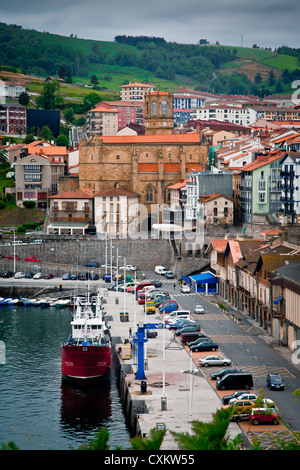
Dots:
pixel 204 283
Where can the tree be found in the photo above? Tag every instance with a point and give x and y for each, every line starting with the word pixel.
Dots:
pixel 28 139
pixel 94 80
pixel 62 141
pixel 258 78
pixel 69 115
pixel 47 99
pixel 90 100
pixel 24 98
pixel 46 134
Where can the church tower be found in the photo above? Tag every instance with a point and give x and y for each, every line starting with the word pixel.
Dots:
pixel 159 117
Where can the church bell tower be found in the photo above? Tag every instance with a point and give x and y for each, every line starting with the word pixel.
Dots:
pixel 159 117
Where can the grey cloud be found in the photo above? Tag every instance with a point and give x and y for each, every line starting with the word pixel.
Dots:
pixel 268 23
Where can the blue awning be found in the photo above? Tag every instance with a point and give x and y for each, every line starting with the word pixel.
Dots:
pixel 204 278
pixel 277 300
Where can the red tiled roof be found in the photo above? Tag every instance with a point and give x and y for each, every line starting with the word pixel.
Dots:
pixel 193 138
pixel 117 192
pixel 148 167
pixel 86 193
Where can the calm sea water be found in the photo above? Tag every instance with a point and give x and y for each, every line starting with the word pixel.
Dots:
pixel 38 410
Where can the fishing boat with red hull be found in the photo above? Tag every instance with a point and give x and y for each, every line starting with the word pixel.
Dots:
pixel 86 356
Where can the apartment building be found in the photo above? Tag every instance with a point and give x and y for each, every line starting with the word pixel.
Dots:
pixel 13 118
pixel 71 211
pixel 135 91
pixel 225 112
pixel 11 90
pixel 290 190
pixel 117 212
pixel 102 120
pixel 37 178
pixel 261 188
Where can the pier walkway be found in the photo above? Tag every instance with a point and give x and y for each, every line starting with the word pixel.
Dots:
pixel 173 397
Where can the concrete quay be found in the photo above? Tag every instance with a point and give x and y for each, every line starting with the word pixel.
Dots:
pixel 173 397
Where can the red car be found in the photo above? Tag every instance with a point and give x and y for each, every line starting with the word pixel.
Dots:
pixel 264 415
pixel 31 258
pixel 11 257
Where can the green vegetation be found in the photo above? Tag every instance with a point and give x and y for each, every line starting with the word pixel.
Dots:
pixel 105 66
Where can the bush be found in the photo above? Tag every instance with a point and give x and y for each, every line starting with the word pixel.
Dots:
pixel 2 205
pixel 29 204
pixel 21 229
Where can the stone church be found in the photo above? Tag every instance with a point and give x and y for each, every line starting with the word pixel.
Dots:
pixel 144 164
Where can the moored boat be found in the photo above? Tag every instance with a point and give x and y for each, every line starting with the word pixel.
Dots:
pixel 86 356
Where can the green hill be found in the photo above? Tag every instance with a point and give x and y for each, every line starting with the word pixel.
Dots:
pixel 218 69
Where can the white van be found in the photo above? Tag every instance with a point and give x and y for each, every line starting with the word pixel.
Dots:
pixel 36 242
pixel 177 313
pixel 159 269
pixel 18 242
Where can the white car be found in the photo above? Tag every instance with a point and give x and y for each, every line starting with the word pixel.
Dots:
pixel 38 276
pixel 128 267
pixel 199 309
pixel 213 361
pixel 185 289
pixel 244 396
pixel 19 275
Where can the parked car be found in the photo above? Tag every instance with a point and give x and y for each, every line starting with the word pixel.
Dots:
pixel 187 329
pixel 94 276
pixel 199 309
pixel 73 277
pixel 244 396
pixel 91 265
pixel 151 333
pixel 108 266
pixel 201 338
pixel 227 398
pixel 204 346
pixel 275 382
pixel 168 307
pixel 66 276
pixel 185 289
pixel 160 300
pixel 157 283
pixel 242 380
pixel 11 257
pixel 242 405
pixel 221 373
pixel 213 361
pixel 177 314
pixel 180 322
pixel 83 276
pixel 18 242
pixel 264 416
pixel 36 242
pixel 128 267
pixel 159 269
pixel 150 307
pixel 48 276
pixel 7 273
pixel 169 275
pixel 141 299
pixel 19 275
pixel 38 276
pixel 29 275
pixel 31 258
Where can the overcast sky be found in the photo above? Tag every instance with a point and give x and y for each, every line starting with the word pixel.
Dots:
pixel 267 23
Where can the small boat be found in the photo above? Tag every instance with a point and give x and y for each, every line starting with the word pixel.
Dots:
pixel 62 303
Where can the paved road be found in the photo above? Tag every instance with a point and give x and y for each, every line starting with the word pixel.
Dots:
pixel 248 348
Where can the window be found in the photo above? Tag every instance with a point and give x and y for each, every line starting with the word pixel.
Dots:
pixel 153 108
pixel 164 107
pixel 149 194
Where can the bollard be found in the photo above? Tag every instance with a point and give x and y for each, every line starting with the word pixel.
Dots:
pixel 163 403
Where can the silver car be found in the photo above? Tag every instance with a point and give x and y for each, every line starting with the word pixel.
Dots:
pixel 199 309
pixel 214 361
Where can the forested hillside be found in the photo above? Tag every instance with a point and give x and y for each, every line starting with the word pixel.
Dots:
pixel 213 68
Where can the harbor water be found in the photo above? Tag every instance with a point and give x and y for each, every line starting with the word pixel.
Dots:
pixel 38 410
